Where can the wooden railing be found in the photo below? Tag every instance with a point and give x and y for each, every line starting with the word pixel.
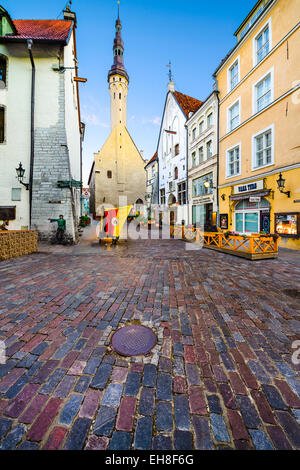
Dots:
pixel 248 246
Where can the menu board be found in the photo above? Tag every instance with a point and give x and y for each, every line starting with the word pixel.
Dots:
pixel 286 224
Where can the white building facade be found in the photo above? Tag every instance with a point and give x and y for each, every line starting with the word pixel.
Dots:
pixel 172 155
pixel 203 164
pixel 40 125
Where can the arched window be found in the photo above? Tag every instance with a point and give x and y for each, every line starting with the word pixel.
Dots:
pixel 176 173
pixel 109 174
pixel 3 68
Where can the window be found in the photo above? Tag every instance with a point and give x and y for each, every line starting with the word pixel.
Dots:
pixel 162 196
pixel 182 193
pixel 234 75
pixel 209 149
pixel 234 116
pixel 194 159
pixel 176 173
pixel 176 149
pixel 16 194
pixel 120 96
pixel 109 174
pixel 263 149
pixel 233 161
pixel 2 125
pixel 153 171
pixel 263 92
pixel 194 133
pixel 262 44
pixel 2 71
pixel 7 212
pixel 210 120
pixel 198 187
pixel 201 154
pixel 201 127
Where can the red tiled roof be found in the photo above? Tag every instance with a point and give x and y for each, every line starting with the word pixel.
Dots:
pixel 187 103
pixel 53 30
pixel 152 159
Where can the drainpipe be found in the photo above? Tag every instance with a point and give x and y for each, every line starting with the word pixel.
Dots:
pixel 29 46
pixel 218 155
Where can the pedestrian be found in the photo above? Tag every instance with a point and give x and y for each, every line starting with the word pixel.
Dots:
pixel 61 227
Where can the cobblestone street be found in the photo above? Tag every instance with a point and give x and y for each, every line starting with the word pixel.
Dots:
pixel 220 376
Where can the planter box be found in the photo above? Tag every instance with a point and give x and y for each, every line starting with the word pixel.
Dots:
pixel 14 243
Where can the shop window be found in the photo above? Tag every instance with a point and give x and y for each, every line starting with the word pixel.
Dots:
pixel 7 212
pixel 287 224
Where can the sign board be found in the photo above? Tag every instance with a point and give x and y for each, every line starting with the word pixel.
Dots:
pixel 254 199
pixel 86 194
pixel 247 187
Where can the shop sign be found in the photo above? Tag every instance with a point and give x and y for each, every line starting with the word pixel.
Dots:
pixel 287 224
pixel 244 188
pixel 254 199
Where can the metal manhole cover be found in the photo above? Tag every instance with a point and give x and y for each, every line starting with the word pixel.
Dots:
pixel 133 340
pixel 292 293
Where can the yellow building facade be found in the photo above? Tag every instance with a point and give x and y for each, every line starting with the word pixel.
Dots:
pixel 118 177
pixel 259 128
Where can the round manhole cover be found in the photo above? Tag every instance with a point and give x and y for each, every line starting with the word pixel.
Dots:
pixel 133 340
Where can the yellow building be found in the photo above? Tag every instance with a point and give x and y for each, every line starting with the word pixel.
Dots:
pixel 118 169
pixel 259 92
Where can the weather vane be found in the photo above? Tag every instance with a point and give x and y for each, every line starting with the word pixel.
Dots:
pixel 170 71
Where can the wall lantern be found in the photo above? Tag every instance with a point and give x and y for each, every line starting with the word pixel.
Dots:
pixel 209 185
pixel 20 174
pixel 281 185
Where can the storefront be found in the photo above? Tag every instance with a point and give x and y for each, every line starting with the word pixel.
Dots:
pixel 203 202
pixel 250 208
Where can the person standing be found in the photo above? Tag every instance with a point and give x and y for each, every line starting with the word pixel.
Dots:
pixel 61 228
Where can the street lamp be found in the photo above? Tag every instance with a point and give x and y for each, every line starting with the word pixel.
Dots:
pixel 281 185
pixel 20 174
pixel 209 184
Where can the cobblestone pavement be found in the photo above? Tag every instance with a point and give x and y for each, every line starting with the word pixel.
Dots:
pixel 220 376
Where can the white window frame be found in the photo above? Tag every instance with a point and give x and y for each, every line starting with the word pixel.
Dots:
pixel 194 153
pixel 212 119
pixel 203 153
pixel 254 91
pixel 203 127
pixel 194 133
pixel 238 145
pixel 229 88
pixel 238 100
pixel 269 24
pixel 211 148
pixel 244 212
pixel 269 128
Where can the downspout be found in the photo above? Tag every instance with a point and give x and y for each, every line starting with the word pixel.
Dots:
pixel 218 154
pixel 29 46
pixel 187 174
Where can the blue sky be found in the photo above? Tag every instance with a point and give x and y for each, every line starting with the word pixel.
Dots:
pixel 195 35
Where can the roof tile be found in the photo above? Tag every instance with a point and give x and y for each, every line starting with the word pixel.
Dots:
pixel 55 30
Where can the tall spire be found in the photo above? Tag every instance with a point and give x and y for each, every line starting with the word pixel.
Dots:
pixel 118 49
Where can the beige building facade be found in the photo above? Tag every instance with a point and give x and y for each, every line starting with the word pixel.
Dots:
pixel 259 88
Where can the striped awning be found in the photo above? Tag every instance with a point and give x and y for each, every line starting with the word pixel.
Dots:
pixel 239 197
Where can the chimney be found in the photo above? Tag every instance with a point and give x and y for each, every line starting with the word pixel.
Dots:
pixel 70 15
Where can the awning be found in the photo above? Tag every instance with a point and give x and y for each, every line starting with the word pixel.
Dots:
pixel 239 197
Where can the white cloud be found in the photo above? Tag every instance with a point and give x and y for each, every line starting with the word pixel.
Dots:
pixel 156 121
pixel 93 120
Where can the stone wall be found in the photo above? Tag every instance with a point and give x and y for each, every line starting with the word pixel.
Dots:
pixel 51 164
pixel 17 243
